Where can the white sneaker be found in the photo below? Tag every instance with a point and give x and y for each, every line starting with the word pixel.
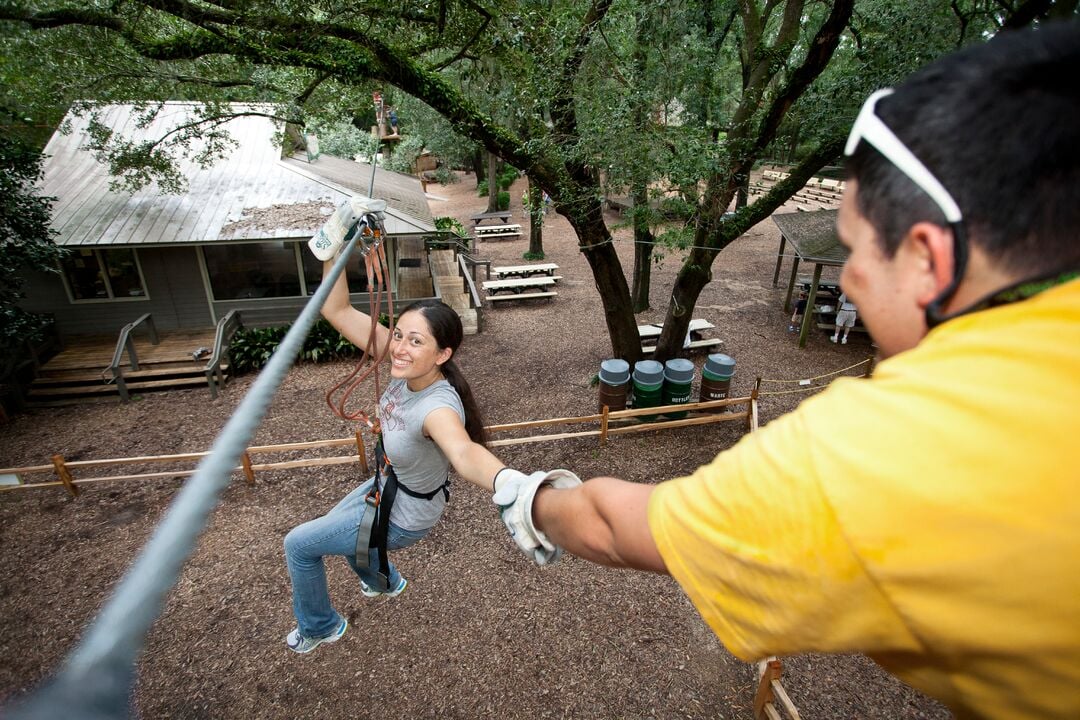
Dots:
pixel 300 644
pixel 372 592
pixel 833 338
pixel 844 341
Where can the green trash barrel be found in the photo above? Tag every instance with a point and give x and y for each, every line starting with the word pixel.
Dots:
pixel 614 384
pixel 678 385
pixel 648 385
pixel 716 379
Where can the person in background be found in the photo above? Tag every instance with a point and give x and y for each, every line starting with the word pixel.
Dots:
pixel 796 317
pixel 927 516
pixel 845 318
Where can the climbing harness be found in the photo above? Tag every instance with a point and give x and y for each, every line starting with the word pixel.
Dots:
pixel 375 524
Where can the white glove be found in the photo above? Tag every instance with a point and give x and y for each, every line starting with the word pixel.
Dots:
pixel 514 494
pixel 327 242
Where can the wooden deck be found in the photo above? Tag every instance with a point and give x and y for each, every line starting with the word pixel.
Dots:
pixel 94 352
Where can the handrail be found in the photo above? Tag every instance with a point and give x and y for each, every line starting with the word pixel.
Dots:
pixel 124 342
pixel 223 335
pixel 473 292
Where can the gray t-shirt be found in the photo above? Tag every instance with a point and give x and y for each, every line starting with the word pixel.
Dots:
pixel 418 461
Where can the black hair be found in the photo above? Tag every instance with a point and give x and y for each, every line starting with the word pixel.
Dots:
pixel 446 328
pixel 998 124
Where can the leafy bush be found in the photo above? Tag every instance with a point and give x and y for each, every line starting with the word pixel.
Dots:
pixel 507 177
pixel 251 348
pixel 481 188
pixel 504 200
pixel 533 256
pixel 449 223
pixel 445 176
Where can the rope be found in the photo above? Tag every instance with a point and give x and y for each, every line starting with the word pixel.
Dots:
pixel 96 681
pixel 818 377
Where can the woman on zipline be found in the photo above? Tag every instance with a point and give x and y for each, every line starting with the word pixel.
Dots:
pixel 429 421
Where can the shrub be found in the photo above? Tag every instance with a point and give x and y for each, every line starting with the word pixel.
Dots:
pixel 481 188
pixel 504 200
pixel 445 176
pixel 449 223
pixel 251 348
pixel 533 256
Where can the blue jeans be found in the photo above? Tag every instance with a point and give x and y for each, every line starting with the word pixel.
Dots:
pixel 334 534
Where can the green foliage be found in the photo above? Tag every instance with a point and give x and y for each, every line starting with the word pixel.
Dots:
pixel 507 177
pixel 251 348
pixel 503 200
pixel 403 159
pixel 453 224
pixel 482 188
pixel 445 176
pixel 533 256
pixel 26 240
pixel 345 140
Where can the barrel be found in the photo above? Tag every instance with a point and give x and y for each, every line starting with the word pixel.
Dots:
pixel 678 385
pixel 614 384
pixel 648 385
pixel 716 378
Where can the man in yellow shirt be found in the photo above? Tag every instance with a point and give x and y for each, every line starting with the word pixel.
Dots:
pixel 928 516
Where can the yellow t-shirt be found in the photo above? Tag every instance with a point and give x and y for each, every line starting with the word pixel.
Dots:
pixel 928 516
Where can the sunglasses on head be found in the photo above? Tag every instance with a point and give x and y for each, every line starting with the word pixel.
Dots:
pixel 869 127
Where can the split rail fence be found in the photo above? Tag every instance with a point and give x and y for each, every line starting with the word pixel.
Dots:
pixel 69 473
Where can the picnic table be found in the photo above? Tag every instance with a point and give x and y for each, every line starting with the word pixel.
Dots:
pixel 651 332
pixel 508 271
pixel 521 288
pixel 812 236
pixel 478 218
pixel 494 231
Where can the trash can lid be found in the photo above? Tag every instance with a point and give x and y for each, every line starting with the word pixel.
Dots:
pixel 679 370
pixel 648 372
pixel 720 364
pixel 615 371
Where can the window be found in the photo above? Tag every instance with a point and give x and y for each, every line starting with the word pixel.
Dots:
pixel 104 275
pixel 354 271
pixel 255 270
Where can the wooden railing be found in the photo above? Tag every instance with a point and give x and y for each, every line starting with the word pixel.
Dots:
pixel 126 343
pixel 223 335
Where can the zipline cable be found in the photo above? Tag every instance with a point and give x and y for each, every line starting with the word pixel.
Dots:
pixel 97 680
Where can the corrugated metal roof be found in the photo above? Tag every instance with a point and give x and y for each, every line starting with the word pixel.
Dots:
pixel 252 194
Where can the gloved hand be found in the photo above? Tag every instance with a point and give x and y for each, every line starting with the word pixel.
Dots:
pixel 327 242
pixel 514 494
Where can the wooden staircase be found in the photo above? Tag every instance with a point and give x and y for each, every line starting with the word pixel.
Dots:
pixel 450 285
pixel 79 374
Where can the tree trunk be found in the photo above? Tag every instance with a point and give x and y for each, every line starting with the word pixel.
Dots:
pixel 595 241
pixel 477 162
pixel 643 248
pixel 536 222
pixel 493 183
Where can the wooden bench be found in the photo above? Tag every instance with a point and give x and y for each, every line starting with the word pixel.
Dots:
pixel 508 271
pixel 503 215
pixel 494 231
pixel 523 296
pixel 519 285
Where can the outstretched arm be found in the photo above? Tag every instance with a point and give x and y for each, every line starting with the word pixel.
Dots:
pixel 350 322
pixel 473 461
pixel 603 520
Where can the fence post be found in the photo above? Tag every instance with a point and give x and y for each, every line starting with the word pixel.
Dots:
pixel 770 670
pixel 603 425
pixel 65 476
pixel 361 452
pixel 249 472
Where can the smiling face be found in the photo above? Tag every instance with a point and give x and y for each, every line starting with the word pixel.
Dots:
pixel 415 355
pixel 890 293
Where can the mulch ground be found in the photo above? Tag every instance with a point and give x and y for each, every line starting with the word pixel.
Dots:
pixel 480 632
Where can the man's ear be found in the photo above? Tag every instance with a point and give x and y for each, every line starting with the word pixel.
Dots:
pixel 930 249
